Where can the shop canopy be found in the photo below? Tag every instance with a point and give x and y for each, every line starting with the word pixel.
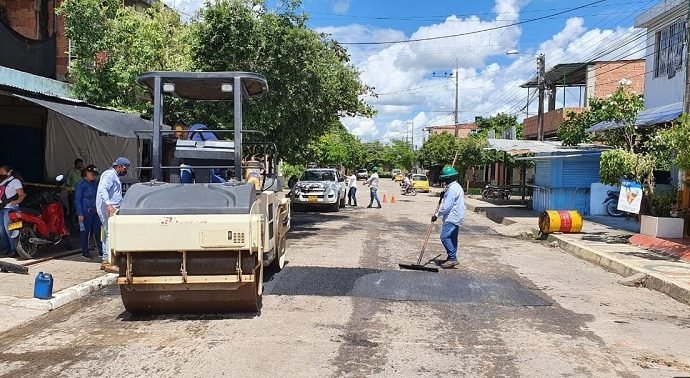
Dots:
pixel 645 118
pixel 105 121
pixel 524 147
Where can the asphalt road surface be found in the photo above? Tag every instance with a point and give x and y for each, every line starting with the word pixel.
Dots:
pixel 342 307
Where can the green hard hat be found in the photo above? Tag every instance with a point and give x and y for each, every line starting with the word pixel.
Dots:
pixel 448 172
pixel 374 169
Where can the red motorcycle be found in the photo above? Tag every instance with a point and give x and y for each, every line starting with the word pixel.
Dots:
pixel 34 228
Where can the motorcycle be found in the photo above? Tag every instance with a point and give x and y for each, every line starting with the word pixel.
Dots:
pixel 32 228
pixel 493 192
pixel 405 190
pixel 611 204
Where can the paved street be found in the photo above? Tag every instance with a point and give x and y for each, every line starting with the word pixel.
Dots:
pixel 343 308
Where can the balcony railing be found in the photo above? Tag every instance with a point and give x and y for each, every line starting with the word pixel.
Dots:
pixel 552 121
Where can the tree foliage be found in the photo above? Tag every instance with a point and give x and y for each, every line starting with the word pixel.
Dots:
pixel 310 78
pixel 499 123
pixel 311 81
pixel 439 149
pixel 112 44
pixel 677 138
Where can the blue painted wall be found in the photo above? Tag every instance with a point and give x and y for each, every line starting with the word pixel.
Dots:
pixel 564 183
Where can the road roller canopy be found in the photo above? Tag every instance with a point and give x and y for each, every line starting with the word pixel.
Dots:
pixel 205 86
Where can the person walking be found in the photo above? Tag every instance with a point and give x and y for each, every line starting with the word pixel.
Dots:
pixel 108 200
pixel 352 191
pixel 74 175
pixel 85 208
pixel 452 211
pixel 373 182
pixel 11 195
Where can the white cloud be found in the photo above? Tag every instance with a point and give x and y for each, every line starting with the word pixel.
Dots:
pixel 341 6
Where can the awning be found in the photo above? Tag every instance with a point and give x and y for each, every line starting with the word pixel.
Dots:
pixel 523 147
pixel 108 122
pixel 645 118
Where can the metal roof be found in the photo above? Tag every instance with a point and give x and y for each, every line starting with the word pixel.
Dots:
pixel 567 74
pixel 207 86
pixel 645 118
pixel 522 147
pixel 108 122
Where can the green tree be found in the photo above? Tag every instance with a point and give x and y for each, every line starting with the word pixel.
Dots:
pixel 399 155
pixel 499 124
pixel 310 78
pixel 112 44
pixel 439 149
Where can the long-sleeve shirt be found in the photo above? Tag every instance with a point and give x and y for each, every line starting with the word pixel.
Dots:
pixel 85 196
pixel 452 208
pixel 109 191
pixel 373 181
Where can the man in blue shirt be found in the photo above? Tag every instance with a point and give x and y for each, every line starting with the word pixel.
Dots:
pixel 85 208
pixel 108 200
pixel 452 211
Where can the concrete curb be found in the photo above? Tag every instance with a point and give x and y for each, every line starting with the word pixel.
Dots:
pixel 71 294
pixel 609 263
pixel 653 281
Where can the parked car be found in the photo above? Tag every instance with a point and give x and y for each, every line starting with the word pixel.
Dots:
pixel 395 173
pixel 320 187
pixel 420 183
pixel 362 174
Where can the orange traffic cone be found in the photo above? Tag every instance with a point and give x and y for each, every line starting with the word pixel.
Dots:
pixel 392 199
pixel 384 198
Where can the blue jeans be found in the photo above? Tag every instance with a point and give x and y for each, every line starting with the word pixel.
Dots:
pixel 352 196
pixel 92 225
pixel 373 192
pixel 8 244
pixel 103 216
pixel 449 239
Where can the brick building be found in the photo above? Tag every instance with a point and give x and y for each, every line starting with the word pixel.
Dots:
pixel 464 129
pixel 48 129
pixel 594 79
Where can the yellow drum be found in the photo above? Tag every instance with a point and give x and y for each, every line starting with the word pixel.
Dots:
pixel 560 221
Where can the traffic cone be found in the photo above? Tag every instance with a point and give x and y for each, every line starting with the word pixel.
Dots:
pixel 392 199
pixel 384 198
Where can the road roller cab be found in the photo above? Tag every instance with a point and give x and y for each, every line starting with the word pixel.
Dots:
pixel 202 246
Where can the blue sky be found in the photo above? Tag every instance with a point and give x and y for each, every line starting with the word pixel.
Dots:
pixel 402 73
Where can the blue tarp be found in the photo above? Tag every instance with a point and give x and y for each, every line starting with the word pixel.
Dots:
pixel 646 118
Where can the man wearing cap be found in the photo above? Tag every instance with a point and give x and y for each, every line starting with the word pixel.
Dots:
pixel 108 199
pixel 85 208
pixel 452 211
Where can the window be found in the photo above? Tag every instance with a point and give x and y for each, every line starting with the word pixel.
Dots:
pixel 670 43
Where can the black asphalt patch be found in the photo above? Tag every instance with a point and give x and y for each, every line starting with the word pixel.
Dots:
pixel 401 286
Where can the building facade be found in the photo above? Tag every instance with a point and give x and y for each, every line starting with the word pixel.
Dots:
pixel 665 56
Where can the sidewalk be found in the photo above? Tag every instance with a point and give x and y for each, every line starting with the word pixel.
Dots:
pixel 73 278
pixel 604 245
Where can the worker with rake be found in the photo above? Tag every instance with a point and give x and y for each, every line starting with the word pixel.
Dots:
pixel 452 212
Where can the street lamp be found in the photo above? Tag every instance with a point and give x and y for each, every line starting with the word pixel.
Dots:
pixel 541 85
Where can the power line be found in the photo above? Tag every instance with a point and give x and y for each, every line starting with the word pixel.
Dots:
pixel 437 17
pixel 473 32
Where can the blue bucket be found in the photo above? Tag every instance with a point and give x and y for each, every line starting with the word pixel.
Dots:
pixel 43 287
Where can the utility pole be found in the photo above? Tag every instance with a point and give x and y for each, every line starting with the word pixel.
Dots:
pixel 541 84
pixel 456 96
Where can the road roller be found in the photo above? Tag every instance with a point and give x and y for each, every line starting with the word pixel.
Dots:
pixel 201 245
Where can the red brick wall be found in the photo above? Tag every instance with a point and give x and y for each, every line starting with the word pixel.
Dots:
pixel 552 121
pixel 62 45
pixel 21 15
pixel 608 74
